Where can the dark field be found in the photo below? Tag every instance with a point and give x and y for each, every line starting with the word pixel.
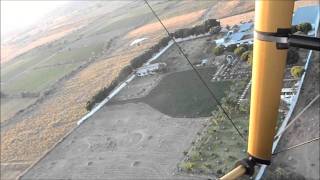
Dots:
pixel 182 94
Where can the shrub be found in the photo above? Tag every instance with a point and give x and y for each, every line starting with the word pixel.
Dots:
pixel 304 27
pixel 250 47
pixel 215 30
pixel 194 156
pixel 164 41
pixel 246 46
pixel 218 50
pixel 294 29
pixel 211 23
pixel 138 61
pixel 200 29
pixel 231 47
pixel 245 56
pixel 124 73
pixel 293 56
pixel 239 50
pixel 297 71
pixel 187 166
pixel 250 59
pixel 102 94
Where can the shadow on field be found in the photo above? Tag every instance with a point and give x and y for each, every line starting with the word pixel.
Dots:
pixel 182 94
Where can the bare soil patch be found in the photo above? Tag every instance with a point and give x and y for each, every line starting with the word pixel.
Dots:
pixel 129 141
pixel 236 19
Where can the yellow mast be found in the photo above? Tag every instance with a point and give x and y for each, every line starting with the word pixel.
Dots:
pixel 272 26
pixel 272 18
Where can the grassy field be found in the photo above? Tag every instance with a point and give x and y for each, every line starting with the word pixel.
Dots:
pixel 9 106
pixel 218 146
pixel 182 94
pixel 33 81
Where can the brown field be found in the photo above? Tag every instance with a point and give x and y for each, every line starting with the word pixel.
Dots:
pixel 173 22
pixel 237 19
pixel 9 51
pixel 298 4
pixel 23 144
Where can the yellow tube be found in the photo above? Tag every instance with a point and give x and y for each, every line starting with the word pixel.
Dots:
pixel 267 74
pixel 235 173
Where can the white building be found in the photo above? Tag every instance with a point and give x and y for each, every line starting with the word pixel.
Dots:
pixel 150 69
pixel 287 94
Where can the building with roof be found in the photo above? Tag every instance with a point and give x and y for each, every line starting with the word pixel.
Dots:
pixel 238 35
pixel 150 69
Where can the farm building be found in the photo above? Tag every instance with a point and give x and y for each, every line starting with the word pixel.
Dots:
pixel 150 69
pixel 238 35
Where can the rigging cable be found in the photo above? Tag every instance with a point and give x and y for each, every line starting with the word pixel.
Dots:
pixel 297 117
pixel 196 71
pixel 297 145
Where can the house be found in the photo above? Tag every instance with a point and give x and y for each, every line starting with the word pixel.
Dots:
pixel 150 69
pixel 204 62
pixel 238 35
pixel 287 94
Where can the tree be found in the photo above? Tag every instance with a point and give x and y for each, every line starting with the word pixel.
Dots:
pixel 239 50
pixel 293 56
pixel 250 59
pixel 215 30
pixel 231 47
pixel 218 50
pixel 246 46
pixel 178 33
pixel 297 71
pixel 294 29
pixel 200 29
pixel 211 23
pixel 245 56
pixel 304 27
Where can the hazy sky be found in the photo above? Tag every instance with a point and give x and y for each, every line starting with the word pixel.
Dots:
pixel 20 14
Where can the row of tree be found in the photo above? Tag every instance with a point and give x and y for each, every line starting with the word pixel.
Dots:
pixel 210 25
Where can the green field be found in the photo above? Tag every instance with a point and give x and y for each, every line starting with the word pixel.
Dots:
pixel 218 147
pixel 37 80
pixel 9 107
pixel 182 94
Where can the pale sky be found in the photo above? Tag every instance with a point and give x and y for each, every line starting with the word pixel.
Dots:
pixel 20 14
